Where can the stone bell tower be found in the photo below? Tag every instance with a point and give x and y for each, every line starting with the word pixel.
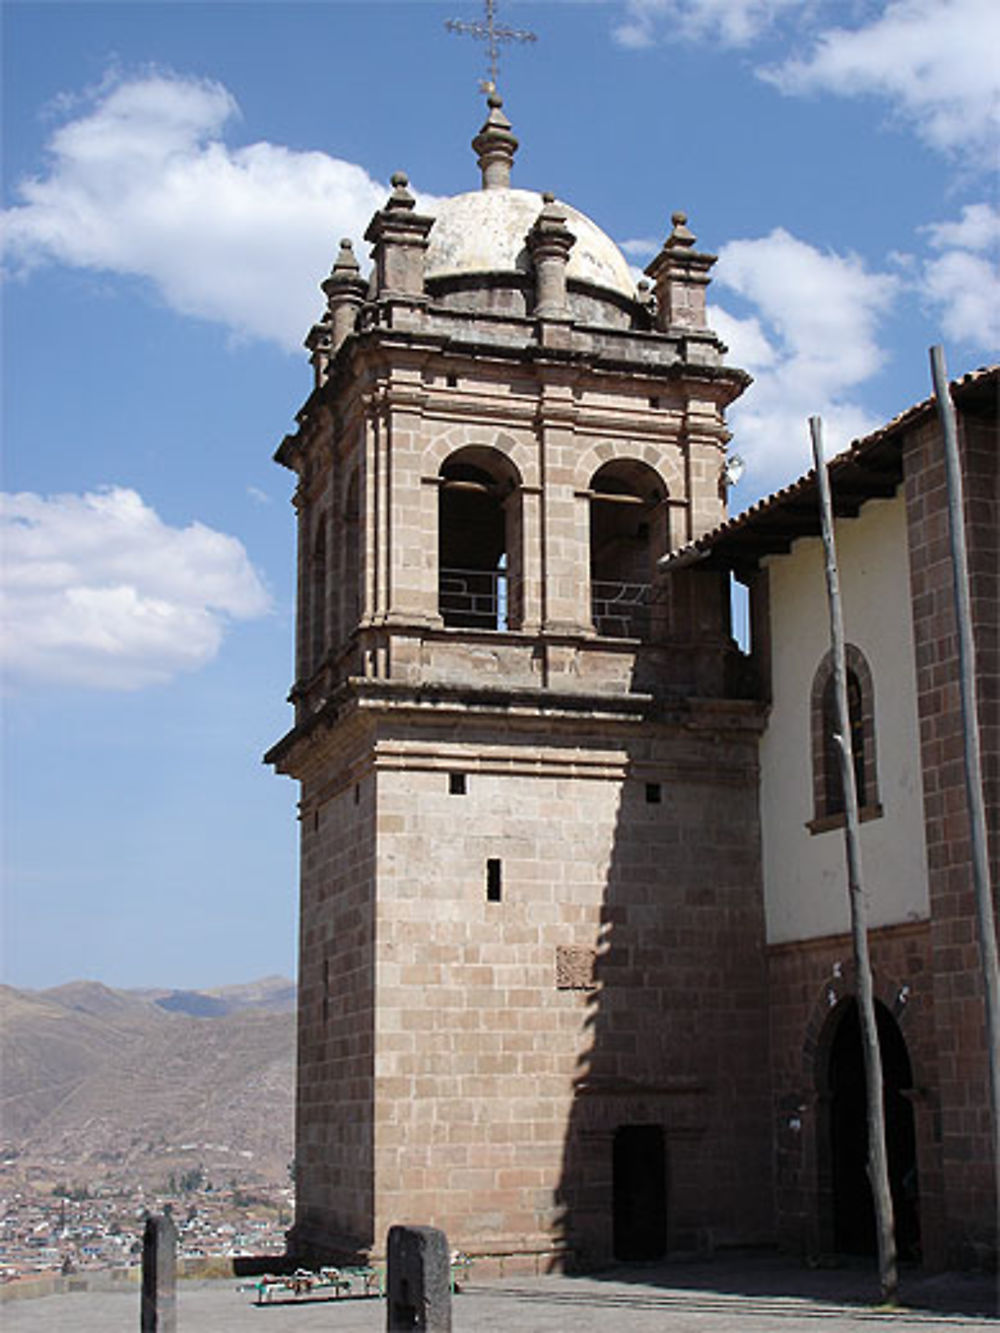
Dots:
pixel 531 967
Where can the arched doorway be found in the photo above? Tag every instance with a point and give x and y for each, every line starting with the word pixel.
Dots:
pixel 853 1205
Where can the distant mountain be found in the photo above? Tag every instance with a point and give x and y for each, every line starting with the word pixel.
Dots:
pixel 101 1083
pixel 276 995
pixel 195 1003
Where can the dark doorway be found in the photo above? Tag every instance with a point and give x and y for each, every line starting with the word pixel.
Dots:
pixel 853 1205
pixel 640 1193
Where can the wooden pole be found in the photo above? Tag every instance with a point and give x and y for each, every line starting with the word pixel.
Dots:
pixel 878 1165
pixel 970 727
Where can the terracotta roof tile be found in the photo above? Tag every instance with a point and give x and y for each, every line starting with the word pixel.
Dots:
pixel 761 515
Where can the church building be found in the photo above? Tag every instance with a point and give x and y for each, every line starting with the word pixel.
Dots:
pixel 574 983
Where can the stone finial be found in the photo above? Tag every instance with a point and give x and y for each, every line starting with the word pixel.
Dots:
pixel 345 266
pixel 345 291
pixel 401 196
pixel 549 242
pixel 398 235
pixel 495 146
pixel 681 236
pixel 680 276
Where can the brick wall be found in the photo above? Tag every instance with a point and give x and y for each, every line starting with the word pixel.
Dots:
pixel 969 1198
pixel 809 981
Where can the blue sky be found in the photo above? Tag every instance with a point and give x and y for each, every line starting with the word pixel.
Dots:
pixel 177 177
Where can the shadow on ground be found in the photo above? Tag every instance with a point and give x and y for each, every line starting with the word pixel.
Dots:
pixel 854 1282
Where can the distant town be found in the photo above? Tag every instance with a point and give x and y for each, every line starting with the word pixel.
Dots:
pixel 58 1228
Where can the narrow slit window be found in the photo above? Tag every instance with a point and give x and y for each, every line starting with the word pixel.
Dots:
pixel 654 793
pixel 493 880
pixel 456 784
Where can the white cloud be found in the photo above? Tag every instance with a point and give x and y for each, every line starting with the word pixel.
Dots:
pixel 732 22
pixel 142 184
pixel 962 284
pixel 811 343
pixel 640 247
pixel 934 60
pixel 977 229
pixel 100 592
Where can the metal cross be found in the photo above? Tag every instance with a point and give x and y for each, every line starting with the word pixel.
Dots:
pixel 492 34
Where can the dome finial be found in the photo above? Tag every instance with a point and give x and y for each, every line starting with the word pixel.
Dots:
pixel 495 145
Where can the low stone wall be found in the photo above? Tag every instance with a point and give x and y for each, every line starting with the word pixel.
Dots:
pixel 114 1279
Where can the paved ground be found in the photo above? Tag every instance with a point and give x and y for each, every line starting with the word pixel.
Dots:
pixel 758 1296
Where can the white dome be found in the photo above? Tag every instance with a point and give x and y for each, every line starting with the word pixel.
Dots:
pixel 484 231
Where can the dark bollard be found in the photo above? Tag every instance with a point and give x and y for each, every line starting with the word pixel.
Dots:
pixel 159 1275
pixel 419 1280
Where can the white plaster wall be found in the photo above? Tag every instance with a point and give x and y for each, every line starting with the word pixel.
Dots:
pixel 805 874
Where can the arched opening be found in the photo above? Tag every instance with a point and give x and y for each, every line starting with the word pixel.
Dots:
pixel 351 587
pixel 318 596
pixel 853 1204
pixel 626 515
pixel 479 541
pixel 639 1193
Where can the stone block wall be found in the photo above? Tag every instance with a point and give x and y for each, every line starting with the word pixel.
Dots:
pixel 335 1079
pixel 619 978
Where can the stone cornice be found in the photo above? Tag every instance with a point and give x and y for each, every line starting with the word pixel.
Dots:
pixel 519 705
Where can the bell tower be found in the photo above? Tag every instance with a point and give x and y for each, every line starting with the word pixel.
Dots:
pixel 511 735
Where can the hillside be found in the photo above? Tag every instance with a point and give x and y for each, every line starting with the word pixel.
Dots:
pixel 100 1084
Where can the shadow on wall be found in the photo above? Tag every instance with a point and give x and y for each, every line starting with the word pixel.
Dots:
pixel 668 1148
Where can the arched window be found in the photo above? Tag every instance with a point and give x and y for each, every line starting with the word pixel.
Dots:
pixel 479 541
pixel 832 778
pixel 626 514
pixel 317 596
pixel 828 789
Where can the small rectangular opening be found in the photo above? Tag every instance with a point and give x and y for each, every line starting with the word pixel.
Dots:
pixel 452 381
pixel 493 878
pixel 654 793
pixel 739 614
pixel 357 793
pixel 456 784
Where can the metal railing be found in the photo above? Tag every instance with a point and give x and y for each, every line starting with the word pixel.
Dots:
pixel 473 598
pixel 620 610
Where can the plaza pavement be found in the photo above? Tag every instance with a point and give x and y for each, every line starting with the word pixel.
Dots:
pixel 723 1296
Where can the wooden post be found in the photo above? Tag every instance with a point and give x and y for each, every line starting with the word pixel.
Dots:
pixel 878 1166
pixel 970 728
